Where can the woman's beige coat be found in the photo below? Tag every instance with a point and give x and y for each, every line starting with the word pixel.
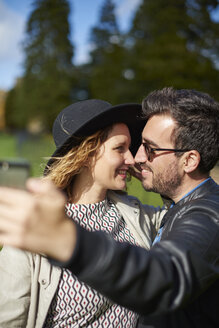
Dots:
pixel 28 282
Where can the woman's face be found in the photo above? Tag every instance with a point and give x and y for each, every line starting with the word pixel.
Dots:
pixel 110 166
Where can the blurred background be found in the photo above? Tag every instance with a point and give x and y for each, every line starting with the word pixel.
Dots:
pixel 56 52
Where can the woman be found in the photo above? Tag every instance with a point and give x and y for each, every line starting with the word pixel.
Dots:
pixel 90 163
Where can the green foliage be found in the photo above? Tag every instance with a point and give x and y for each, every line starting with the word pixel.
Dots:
pixel 165 51
pixel 46 86
pixel 15 113
pixel 134 187
pixel 107 80
pixel 37 151
pixel 170 43
pixel 34 149
pixel 167 45
pixel 203 30
pixel 108 58
pixel 105 34
pixel 8 146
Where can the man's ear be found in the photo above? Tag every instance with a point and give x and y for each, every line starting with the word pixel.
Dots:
pixel 191 161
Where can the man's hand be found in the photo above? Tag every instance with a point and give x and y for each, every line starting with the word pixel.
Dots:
pixel 35 220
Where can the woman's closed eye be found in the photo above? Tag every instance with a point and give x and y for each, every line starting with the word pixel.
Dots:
pixel 120 148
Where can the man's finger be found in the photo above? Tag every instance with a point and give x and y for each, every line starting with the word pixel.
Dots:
pixel 12 196
pixel 43 186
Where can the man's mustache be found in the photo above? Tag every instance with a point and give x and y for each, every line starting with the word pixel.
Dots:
pixel 135 170
pixel 145 167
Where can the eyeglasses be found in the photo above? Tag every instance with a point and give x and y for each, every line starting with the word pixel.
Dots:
pixel 150 152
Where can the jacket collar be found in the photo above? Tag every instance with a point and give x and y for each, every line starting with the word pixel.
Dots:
pixel 209 187
pixel 200 191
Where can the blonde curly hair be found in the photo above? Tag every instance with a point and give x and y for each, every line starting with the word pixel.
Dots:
pixel 65 168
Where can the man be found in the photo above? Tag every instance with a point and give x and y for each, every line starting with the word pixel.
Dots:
pixel 175 284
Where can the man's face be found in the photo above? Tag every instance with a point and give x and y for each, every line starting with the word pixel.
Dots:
pixel 162 173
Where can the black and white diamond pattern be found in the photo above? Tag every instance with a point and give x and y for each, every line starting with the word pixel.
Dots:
pixel 75 303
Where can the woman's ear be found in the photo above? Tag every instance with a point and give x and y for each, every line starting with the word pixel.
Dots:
pixel 88 162
pixel 191 161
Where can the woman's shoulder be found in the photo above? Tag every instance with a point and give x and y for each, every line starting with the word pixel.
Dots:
pixel 122 196
pixel 16 257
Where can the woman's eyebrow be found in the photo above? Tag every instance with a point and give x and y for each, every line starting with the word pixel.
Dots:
pixel 120 142
pixel 123 143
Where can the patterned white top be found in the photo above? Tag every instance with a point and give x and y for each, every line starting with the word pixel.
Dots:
pixel 75 304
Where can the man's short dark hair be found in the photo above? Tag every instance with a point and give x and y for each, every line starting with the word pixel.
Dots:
pixel 197 121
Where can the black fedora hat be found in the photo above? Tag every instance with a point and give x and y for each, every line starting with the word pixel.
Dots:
pixel 86 117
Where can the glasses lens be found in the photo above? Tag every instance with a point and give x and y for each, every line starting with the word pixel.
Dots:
pixel 147 150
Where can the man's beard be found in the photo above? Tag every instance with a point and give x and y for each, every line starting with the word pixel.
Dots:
pixel 165 183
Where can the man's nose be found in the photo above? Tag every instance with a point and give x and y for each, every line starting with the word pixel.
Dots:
pixel 141 156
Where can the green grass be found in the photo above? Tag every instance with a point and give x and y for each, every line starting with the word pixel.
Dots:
pixel 134 187
pixel 37 149
pixel 33 149
pixel 8 146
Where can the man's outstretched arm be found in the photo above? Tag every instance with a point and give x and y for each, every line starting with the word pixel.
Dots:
pixel 148 282
pixel 155 281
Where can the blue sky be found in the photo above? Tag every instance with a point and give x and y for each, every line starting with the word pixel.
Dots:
pixel 84 15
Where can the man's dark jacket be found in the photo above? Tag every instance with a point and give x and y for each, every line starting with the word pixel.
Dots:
pixel 175 284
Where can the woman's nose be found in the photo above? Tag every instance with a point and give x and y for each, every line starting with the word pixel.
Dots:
pixel 129 159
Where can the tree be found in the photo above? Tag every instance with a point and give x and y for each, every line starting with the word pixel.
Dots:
pixel 48 79
pixel 15 116
pixel 108 58
pixel 105 34
pixel 203 31
pixel 167 52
